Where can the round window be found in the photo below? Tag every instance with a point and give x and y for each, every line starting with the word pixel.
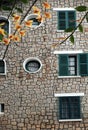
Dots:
pixel 32 65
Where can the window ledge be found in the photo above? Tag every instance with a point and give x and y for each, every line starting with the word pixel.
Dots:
pixel 2 74
pixel 65 120
pixel 63 31
pixel 1 113
pixel 69 76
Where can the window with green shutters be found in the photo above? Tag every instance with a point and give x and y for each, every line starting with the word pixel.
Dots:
pixel 73 65
pixel 69 108
pixel 66 19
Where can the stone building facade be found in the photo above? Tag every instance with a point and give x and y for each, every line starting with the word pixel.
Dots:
pixel 33 101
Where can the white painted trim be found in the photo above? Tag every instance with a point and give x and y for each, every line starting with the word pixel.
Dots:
pixel 30 59
pixel 63 9
pixel 68 52
pixel 69 76
pixel 1 113
pixel 4 68
pixel 34 16
pixel 69 120
pixel 68 94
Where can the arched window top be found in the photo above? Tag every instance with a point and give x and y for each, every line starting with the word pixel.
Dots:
pixel 6 23
pixel 35 23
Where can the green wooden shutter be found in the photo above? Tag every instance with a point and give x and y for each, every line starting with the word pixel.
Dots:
pixel 74 107
pixel 83 64
pixel 71 15
pixel 63 65
pixel 61 20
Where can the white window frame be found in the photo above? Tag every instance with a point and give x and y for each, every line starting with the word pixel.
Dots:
pixel 30 59
pixel 34 16
pixel 69 95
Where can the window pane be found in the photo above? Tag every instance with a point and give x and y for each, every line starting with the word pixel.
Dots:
pixel 72 65
pixel 35 21
pixel 71 19
pixel 2 66
pixel 70 108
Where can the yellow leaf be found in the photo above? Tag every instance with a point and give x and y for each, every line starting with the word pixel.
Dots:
pixel 46 5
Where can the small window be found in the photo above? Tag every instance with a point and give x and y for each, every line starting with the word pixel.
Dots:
pixel 5 25
pixel 73 65
pixel 35 23
pixel 2 67
pixel 1 108
pixel 32 65
pixel 66 19
pixel 69 108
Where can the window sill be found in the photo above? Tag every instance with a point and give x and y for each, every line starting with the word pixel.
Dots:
pixel 1 113
pixel 66 120
pixel 2 74
pixel 69 76
pixel 63 31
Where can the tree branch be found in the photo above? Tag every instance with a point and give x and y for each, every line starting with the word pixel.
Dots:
pixel 20 22
pixel 12 9
pixel 28 10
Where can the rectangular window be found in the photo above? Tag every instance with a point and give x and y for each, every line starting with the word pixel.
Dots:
pixel 73 65
pixel 69 108
pixel 66 19
pixel 1 108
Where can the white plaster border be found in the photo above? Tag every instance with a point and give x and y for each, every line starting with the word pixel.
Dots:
pixel 63 9
pixel 68 52
pixel 30 59
pixel 68 94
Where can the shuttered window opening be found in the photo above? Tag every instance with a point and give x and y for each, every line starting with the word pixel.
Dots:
pixel 73 65
pixel 69 108
pixel 66 19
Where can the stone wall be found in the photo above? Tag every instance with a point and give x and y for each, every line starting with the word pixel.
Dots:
pixel 29 99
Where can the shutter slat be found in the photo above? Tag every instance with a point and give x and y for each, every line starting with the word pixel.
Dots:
pixel 61 20
pixel 71 19
pixel 83 64
pixel 63 65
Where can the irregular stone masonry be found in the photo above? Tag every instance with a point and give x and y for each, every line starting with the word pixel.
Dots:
pixel 29 99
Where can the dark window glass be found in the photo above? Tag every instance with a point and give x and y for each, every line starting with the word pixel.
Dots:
pixel 33 66
pixel 2 66
pixel 1 107
pixel 6 24
pixel 69 107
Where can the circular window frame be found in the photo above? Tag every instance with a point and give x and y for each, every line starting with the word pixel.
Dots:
pixel 33 16
pixel 32 59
